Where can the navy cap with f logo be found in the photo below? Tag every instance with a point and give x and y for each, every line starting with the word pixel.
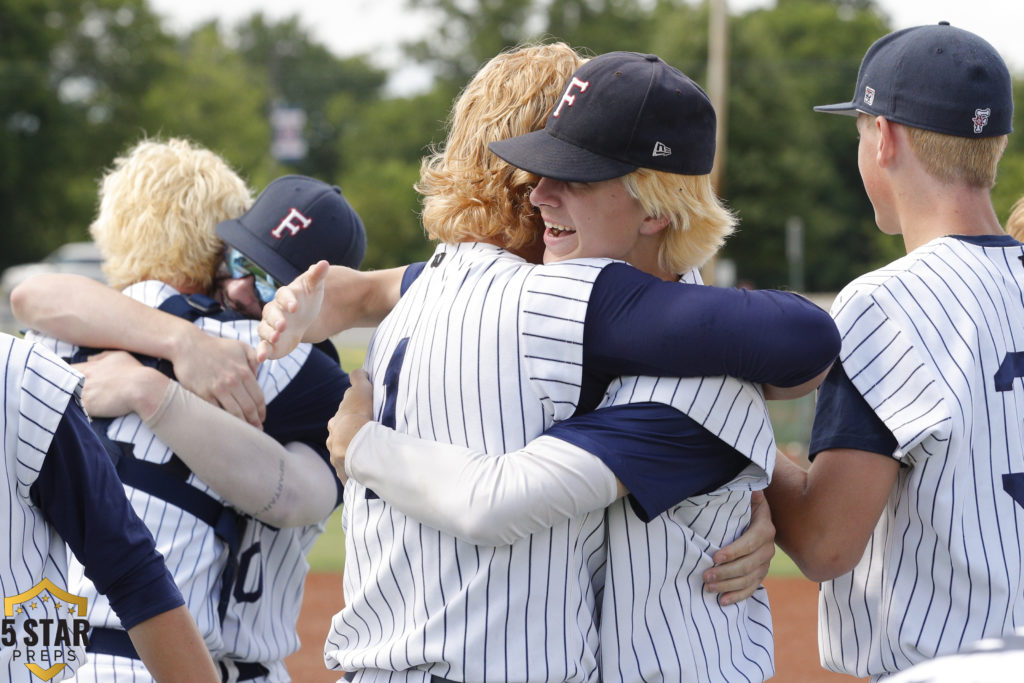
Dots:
pixel 295 222
pixel 620 111
pixel 938 78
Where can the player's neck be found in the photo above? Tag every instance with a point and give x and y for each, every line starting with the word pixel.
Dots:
pixel 939 209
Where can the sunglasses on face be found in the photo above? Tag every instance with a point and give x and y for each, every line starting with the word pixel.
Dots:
pixel 240 266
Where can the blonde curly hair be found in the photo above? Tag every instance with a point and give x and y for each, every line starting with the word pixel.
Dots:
pixel 158 207
pixel 469 194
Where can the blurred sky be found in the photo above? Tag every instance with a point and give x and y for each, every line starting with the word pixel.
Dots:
pixel 378 26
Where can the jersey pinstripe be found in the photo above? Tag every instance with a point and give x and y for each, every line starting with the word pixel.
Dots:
pixel 657 621
pixel 194 555
pixel 260 625
pixel 935 344
pixel 37 388
pixel 482 351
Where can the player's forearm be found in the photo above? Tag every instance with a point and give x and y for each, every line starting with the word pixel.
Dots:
pixel 282 486
pixel 814 526
pixel 355 299
pixel 82 311
pixel 172 649
pixel 482 499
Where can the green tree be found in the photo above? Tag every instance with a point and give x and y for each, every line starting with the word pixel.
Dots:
pixel 213 96
pixel 302 73
pixel 71 75
pixel 783 160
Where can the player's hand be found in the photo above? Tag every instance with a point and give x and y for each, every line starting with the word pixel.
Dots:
pixel 222 372
pixel 117 384
pixel 741 566
pixel 355 410
pixel 294 308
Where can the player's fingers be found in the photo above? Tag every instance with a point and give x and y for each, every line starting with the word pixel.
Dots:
pixel 744 565
pixel 230 404
pixel 316 274
pixel 263 350
pixel 286 301
pixel 358 399
pixel 759 534
pixel 734 590
pixel 250 400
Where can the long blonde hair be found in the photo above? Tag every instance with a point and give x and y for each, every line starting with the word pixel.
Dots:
pixel 698 220
pixel 469 194
pixel 158 207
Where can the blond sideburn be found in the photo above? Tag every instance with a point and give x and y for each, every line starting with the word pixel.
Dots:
pixel 158 207
pixel 698 220
pixel 469 194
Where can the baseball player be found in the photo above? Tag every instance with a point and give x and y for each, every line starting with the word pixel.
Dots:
pixel 911 511
pixel 708 441
pixel 61 488
pixel 456 368
pixel 244 576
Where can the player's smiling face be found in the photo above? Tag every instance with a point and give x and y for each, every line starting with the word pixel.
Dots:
pixel 588 219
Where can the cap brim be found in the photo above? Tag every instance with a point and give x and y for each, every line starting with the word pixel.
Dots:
pixel 543 154
pixel 844 108
pixel 234 232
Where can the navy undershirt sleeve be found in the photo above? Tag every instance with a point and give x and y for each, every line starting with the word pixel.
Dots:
pixel 412 271
pixel 658 453
pixel 637 324
pixel 80 495
pixel 303 408
pixel 843 419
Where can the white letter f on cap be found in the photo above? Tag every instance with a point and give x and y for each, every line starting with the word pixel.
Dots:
pixel 569 99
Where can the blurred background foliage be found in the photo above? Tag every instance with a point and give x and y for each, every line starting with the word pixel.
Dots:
pixel 80 81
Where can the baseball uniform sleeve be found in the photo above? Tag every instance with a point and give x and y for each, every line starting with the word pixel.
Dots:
pixel 479 498
pixel 658 453
pixel 843 419
pixel 300 412
pixel 886 367
pixel 80 495
pixel 639 325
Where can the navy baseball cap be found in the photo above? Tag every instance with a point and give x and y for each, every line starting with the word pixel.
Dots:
pixel 295 222
pixel 939 78
pixel 621 111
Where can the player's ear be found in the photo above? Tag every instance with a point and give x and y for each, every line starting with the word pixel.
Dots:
pixel 887 132
pixel 652 225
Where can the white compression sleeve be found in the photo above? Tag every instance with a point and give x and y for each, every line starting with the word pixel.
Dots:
pixel 284 486
pixel 480 498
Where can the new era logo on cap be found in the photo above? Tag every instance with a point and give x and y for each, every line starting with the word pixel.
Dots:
pixel 661 150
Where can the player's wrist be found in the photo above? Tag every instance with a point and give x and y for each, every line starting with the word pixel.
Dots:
pixel 150 389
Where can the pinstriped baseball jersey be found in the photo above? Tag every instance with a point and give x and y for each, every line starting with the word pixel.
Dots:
pixel 260 625
pixel 37 388
pixel 657 621
pixel 482 351
pixel 194 555
pixel 934 344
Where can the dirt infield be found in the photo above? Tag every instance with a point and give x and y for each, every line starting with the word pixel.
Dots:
pixel 794 611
